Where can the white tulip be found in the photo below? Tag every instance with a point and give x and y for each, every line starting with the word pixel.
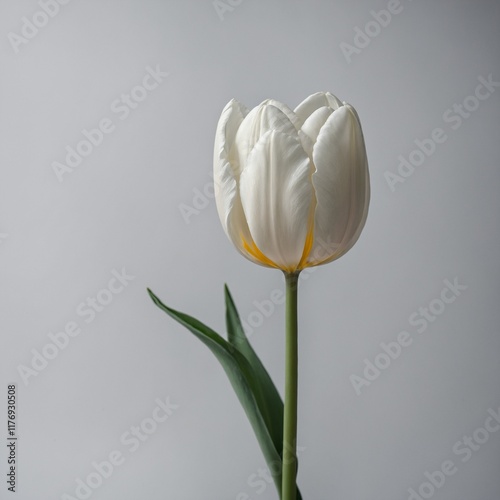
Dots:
pixel 292 187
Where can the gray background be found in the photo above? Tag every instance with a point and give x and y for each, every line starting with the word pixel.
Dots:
pixel 121 208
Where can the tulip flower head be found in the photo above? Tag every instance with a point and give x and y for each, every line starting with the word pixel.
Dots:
pixel 292 187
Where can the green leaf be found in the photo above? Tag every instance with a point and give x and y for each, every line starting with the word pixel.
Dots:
pixel 265 392
pixel 238 371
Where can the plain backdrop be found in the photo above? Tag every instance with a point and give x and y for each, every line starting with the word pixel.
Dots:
pixel 139 204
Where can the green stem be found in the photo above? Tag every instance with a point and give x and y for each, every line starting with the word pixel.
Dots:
pixel 289 481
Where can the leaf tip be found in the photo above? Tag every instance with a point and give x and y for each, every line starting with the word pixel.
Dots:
pixel 153 297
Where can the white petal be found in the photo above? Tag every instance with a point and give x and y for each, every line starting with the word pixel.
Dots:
pixel 258 122
pixel 276 194
pixel 297 122
pixel 314 102
pixel 230 119
pixel 341 184
pixel 232 216
pixel 224 175
pixel 353 235
pixel 226 188
pixel 312 126
pixel 333 101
